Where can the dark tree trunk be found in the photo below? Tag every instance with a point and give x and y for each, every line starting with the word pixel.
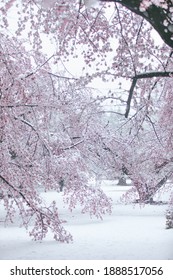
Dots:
pixel 169 219
pixel 61 184
pixel 122 181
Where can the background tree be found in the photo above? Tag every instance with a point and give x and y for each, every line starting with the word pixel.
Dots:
pixel 159 15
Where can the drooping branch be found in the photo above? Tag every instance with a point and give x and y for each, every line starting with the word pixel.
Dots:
pixel 143 76
pixel 46 217
pixel 15 189
pixel 160 18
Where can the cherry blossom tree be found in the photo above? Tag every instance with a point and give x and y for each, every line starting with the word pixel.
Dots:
pixel 47 127
pixel 115 42
pixel 158 163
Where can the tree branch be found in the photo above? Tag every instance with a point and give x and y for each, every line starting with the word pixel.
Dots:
pixel 15 189
pixel 134 81
pixel 160 18
pixel 74 145
pixel 154 74
pixel 143 76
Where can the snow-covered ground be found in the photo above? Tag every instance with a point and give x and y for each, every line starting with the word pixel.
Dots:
pixel 131 232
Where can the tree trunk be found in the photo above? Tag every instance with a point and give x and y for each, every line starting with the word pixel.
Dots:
pixel 147 191
pixel 122 181
pixel 61 184
pixel 169 219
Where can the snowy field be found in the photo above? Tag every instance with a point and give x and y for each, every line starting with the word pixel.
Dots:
pixel 131 232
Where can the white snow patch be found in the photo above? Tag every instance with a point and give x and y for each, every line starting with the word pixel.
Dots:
pixel 132 232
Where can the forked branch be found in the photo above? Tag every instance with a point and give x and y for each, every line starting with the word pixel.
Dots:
pixel 137 77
